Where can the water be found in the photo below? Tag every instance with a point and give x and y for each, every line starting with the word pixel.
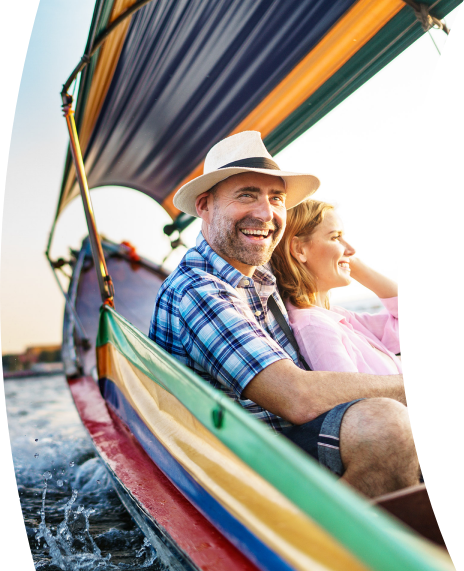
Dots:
pixel 74 519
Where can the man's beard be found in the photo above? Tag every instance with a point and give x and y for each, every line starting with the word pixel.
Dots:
pixel 225 240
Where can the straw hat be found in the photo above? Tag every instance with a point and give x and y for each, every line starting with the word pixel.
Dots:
pixel 243 152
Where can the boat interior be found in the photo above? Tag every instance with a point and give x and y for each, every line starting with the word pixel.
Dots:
pixel 136 282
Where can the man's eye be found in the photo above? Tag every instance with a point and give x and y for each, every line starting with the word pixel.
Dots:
pixel 279 199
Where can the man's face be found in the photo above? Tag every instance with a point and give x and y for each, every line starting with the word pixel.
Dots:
pixel 246 219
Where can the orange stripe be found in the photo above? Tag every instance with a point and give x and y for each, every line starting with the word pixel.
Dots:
pixel 350 34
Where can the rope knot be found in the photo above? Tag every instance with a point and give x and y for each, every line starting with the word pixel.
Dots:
pixel 424 17
pixel 427 21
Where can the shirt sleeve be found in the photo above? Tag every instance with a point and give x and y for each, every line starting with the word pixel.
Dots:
pixel 324 349
pixel 384 325
pixel 219 333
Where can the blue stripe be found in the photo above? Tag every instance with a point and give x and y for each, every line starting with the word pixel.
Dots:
pixel 245 541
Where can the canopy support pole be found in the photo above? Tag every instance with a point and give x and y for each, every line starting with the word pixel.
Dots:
pixel 99 40
pixel 104 279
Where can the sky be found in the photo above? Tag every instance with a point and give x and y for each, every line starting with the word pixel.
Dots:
pixel 349 151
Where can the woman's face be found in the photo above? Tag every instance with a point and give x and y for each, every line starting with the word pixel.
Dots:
pixel 326 254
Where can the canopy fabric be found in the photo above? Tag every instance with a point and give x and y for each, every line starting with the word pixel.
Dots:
pixel 182 75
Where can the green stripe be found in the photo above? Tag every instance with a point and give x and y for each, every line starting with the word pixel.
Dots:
pixel 397 35
pixel 376 539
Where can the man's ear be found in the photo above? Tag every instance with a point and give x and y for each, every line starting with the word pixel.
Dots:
pixel 297 250
pixel 202 206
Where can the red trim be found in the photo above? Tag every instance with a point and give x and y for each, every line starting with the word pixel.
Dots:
pixel 131 251
pixel 207 548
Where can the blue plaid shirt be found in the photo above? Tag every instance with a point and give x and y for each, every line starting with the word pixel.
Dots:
pixel 215 320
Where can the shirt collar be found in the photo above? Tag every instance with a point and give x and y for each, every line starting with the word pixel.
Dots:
pixel 228 273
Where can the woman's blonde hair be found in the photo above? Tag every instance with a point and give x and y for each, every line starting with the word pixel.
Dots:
pixel 294 280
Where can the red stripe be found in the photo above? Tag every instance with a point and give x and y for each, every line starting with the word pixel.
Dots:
pixel 207 548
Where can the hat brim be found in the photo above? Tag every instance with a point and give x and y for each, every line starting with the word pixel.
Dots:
pixel 299 187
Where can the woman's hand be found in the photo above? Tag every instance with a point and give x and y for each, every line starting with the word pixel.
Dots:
pixel 355 263
pixel 382 286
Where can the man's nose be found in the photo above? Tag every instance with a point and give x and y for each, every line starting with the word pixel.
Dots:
pixel 263 210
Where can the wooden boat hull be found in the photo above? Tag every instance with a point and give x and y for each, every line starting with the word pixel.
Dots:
pixel 176 507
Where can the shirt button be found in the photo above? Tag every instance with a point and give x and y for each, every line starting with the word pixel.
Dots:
pixel 246 282
pixel 257 313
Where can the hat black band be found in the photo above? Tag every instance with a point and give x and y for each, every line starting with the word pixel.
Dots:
pixel 254 163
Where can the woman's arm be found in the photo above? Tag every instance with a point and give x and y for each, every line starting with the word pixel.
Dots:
pixel 383 325
pixel 382 286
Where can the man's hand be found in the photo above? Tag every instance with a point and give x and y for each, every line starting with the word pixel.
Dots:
pixel 301 396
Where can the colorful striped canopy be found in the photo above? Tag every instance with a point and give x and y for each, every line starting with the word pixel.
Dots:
pixel 180 75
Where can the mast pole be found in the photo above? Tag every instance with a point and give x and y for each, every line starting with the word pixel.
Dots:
pixel 104 279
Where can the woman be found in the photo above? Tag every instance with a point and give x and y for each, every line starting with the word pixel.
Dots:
pixel 312 258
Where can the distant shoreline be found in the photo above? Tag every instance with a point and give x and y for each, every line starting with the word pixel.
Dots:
pixel 12 375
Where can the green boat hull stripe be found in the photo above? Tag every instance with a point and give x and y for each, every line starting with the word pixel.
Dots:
pixel 375 538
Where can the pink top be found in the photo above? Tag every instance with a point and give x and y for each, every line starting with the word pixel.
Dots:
pixel 341 340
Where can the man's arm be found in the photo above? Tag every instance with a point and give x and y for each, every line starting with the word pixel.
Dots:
pixel 300 396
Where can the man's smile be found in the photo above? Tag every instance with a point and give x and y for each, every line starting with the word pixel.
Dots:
pixel 256 234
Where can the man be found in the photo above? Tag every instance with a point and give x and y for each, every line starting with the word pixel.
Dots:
pixel 212 314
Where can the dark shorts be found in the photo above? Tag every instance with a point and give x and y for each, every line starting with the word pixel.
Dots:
pixel 321 437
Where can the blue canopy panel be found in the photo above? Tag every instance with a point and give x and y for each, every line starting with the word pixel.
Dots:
pixel 189 73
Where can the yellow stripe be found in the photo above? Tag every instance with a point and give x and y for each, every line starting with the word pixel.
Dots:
pixel 352 32
pixel 106 65
pixel 239 489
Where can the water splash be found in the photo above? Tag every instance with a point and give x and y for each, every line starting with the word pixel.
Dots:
pixel 70 544
pixel 72 548
pixel 42 420
pixel 146 554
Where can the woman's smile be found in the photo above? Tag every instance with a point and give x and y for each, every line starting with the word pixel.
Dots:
pixel 345 266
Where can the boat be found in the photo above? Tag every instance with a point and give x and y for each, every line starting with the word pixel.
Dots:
pixel 160 82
